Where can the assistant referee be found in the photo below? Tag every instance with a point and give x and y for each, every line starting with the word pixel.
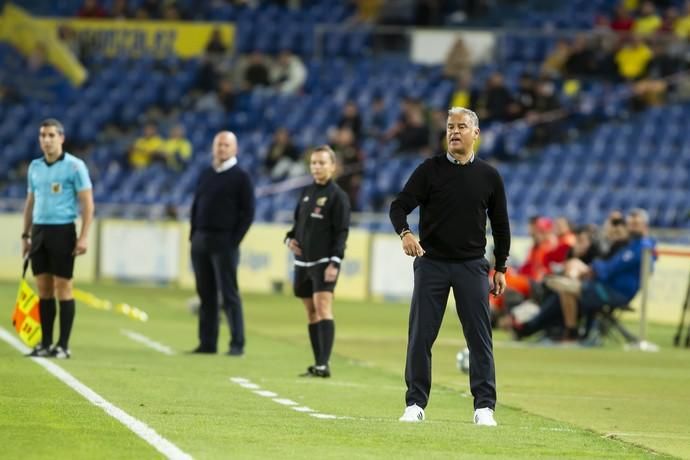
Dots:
pixel 58 184
pixel 455 192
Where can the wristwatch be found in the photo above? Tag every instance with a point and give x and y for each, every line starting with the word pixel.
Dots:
pixel 502 269
pixel 25 236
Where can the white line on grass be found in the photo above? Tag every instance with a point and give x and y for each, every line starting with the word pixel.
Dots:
pixel 246 383
pixel 139 428
pixel 166 350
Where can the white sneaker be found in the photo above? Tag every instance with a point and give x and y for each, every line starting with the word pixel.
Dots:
pixel 484 417
pixel 413 413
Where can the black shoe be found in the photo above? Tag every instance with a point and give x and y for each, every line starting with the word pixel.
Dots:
pixel 39 352
pixel 309 373
pixel 235 352
pixel 60 352
pixel 322 371
pixel 204 350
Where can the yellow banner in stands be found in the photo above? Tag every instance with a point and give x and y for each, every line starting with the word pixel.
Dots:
pixel 137 38
pixel 26 33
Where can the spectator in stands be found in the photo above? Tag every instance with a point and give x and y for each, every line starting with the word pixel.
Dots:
pixel 288 73
pixel 147 147
pixel 282 156
pixel 215 47
pixel 580 62
pixel 495 101
pixel 546 102
pixel 120 10
pixel 622 20
pixel 668 22
pixel 177 148
pixel 411 131
pixel 91 9
pixel 221 99
pixel 632 59
pixel 463 96
pixel 351 119
pixel 526 95
pixel 555 63
pixel 350 162
pixel 150 8
pixel 458 62
pixel 438 142
pixel 652 88
pixel 171 12
pixel 208 75
pixel 565 241
pixel 648 21
pixel 256 73
pixel 682 26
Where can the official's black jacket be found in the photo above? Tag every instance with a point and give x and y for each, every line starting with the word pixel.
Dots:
pixel 322 221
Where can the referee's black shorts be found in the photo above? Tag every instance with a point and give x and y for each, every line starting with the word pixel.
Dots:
pixel 309 280
pixel 52 248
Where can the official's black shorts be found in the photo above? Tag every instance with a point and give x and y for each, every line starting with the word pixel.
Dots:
pixel 309 280
pixel 51 249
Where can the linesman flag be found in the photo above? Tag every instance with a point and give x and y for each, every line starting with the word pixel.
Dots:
pixel 26 317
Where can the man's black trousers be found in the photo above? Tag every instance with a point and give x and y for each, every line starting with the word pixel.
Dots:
pixel 432 282
pixel 215 269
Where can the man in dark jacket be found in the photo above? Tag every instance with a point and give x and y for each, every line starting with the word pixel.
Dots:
pixel 222 211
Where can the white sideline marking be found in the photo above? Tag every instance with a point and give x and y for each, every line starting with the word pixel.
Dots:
pixel 250 386
pixel 246 383
pixel 266 393
pixel 166 350
pixel 303 409
pixel 139 428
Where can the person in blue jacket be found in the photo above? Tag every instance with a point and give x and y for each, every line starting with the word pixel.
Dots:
pixel 614 282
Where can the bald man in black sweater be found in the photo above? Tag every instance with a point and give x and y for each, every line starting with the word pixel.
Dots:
pixel 222 211
pixel 455 193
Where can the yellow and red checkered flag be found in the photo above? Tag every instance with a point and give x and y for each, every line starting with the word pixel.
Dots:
pixel 26 317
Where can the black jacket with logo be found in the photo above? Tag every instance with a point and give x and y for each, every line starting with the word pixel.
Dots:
pixel 322 221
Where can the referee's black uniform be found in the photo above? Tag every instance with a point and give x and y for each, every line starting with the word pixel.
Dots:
pixel 321 227
pixel 454 201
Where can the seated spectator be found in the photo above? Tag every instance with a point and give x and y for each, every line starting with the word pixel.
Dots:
pixel 622 20
pixel 91 9
pixel 215 47
pixel 120 10
pixel 613 282
pixel 288 73
pixel 580 62
pixel 547 125
pixel 413 133
pixel 458 62
pixel 632 59
pixel 146 148
pixel 221 99
pixel 256 73
pixel 651 89
pixel 350 163
pixel 526 95
pixel 648 21
pixel 544 241
pixel 682 26
pixel 463 96
pixel 495 101
pixel 351 119
pixel 555 63
pixel 668 22
pixel 282 156
pixel 565 241
pixel 171 12
pixel 177 148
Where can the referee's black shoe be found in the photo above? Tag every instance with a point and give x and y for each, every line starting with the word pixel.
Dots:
pixel 203 350
pixel 317 371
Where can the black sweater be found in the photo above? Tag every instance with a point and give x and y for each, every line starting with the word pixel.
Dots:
pixel 223 203
pixel 454 201
pixel 322 221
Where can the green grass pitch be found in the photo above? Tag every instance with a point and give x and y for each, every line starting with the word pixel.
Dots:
pixel 553 402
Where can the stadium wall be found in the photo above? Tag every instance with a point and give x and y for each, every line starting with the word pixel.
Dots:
pixel 374 268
